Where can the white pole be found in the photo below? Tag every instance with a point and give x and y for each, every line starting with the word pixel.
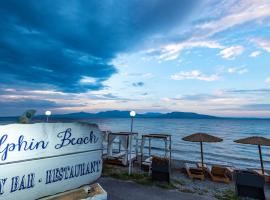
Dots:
pixel 130 143
pixel 132 115
pixel 48 113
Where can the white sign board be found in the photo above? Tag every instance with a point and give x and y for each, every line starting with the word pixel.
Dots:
pixel 43 159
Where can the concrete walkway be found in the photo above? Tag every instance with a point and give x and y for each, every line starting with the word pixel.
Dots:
pixel 126 190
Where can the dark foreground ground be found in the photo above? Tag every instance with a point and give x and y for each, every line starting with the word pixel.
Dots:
pixel 127 190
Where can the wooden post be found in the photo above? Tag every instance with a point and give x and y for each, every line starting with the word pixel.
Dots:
pixel 260 152
pixel 131 125
pixel 149 146
pixel 202 154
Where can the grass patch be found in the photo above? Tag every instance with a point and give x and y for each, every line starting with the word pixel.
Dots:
pixel 144 181
pixel 227 195
pixel 168 186
pixel 140 178
pixel 108 170
pixel 186 190
pixel 179 182
pixel 200 191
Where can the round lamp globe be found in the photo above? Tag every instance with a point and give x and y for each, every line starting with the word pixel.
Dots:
pixel 132 113
pixel 48 113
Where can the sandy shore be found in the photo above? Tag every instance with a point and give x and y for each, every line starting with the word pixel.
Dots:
pixel 183 187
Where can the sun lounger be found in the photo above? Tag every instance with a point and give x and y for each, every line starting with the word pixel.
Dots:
pixel 161 169
pixel 194 172
pixel 266 175
pixel 104 152
pixel 148 161
pixel 116 159
pixel 118 155
pixel 132 157
pixel 199 165
pixel 249 184
pixel 146 164
pixel 220 173
pixel 121 158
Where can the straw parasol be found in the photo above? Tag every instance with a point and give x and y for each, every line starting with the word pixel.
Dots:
pixel 255 140
pixel 202 137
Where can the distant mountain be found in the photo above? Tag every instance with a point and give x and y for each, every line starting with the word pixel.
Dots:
pixel 187 115
pixel 75 115
pixel 125 114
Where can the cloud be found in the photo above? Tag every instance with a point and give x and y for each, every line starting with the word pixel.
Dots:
pixel 195 74
pixel 250 91
pixel 141 75
pixel 216 17
pixel 262 43
pixel 237 70
pixel 172 51
pixel 58 45
pixel 255 54
pixel 18 106
pixel 197 97
pixel 231 52
pixel 267 80
pixel 107 96
pixel 88 80
pixel 138 84
pixel 34 103
pixel 256 107
pixel 232 14
pixel 148 75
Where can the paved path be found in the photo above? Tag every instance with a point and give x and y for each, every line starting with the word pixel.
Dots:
pixel 126 190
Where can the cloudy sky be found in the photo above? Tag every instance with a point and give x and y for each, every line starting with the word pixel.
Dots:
pixel 205 56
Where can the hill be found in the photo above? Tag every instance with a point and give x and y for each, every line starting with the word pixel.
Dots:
pixel 125 114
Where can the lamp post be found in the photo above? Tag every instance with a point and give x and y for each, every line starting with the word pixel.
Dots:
pixel 132 115
pixel 48 114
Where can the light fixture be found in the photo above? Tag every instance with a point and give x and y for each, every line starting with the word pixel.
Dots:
pixel 48 113
pixel 132 113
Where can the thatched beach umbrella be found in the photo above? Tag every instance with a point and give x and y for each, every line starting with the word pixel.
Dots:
pixel 202 137
pixel 255 140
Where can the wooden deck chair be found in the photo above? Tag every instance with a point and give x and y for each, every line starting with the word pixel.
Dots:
pixel 249 184
pixel 194 172
pixel 265 175
pixel 220 174
pixel 147 164
pixel 116 159
pixel 199 165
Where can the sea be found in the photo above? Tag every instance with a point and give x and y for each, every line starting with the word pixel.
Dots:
pixel 226 152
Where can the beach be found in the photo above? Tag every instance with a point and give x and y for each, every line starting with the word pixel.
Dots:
pixel 120 186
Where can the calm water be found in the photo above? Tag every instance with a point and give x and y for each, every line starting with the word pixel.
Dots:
pixel 226 152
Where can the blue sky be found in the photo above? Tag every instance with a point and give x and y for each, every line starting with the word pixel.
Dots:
pixel 209 56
